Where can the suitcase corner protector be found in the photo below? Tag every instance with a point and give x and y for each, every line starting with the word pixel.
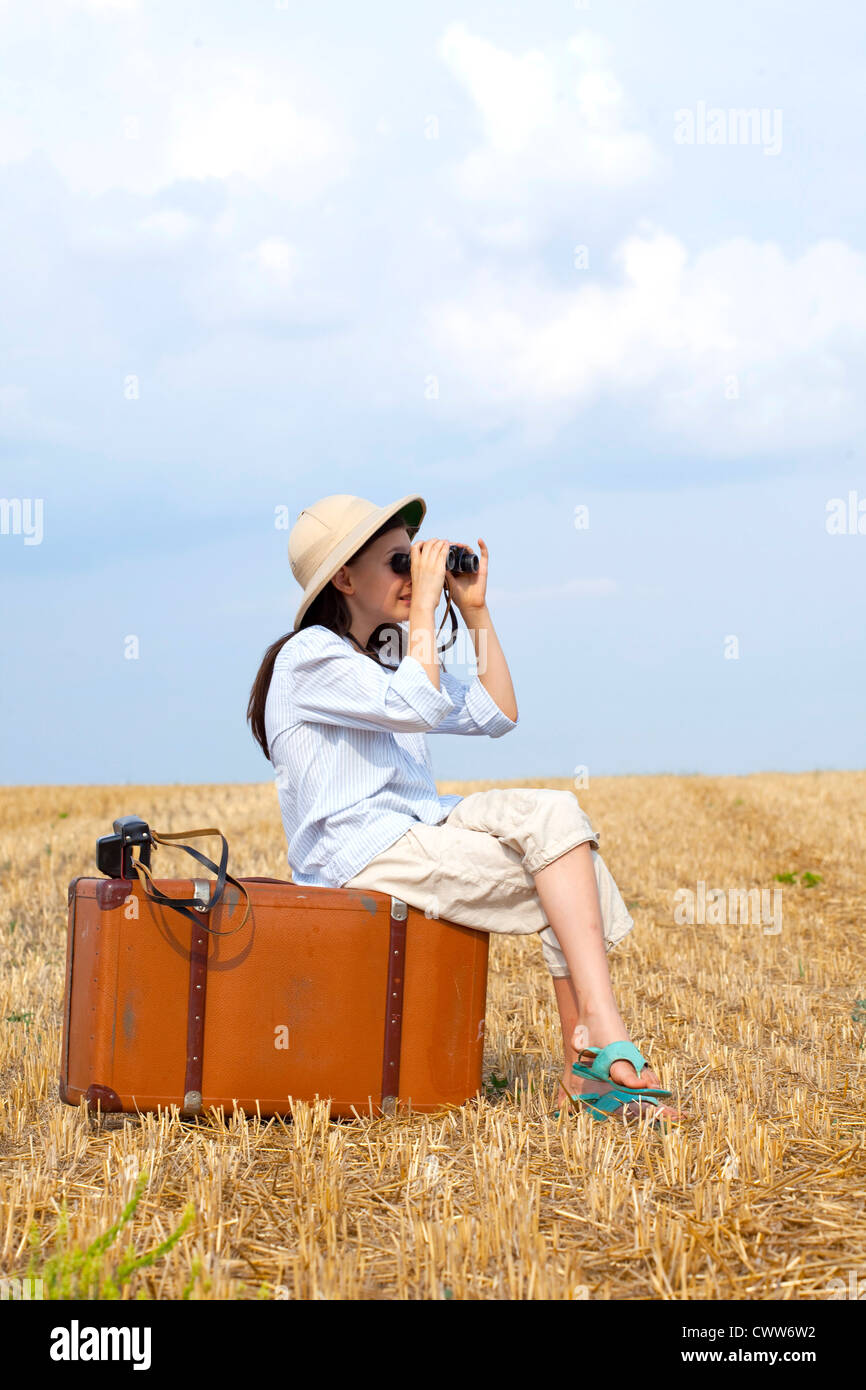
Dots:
pixel 192 1103
pixel 71 888
pixel 103 1096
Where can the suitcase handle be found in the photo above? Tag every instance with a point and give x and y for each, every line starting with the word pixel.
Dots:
pixel 183 905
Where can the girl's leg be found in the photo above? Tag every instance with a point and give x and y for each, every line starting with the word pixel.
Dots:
pixel 568 893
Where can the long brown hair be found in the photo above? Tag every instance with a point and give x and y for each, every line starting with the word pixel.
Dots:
pixel 328 609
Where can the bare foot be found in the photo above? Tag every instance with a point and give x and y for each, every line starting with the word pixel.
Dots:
pixel 598 1031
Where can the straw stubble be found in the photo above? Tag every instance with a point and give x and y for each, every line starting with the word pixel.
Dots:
pixel 759 1194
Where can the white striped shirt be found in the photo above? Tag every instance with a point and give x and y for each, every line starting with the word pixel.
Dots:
pixel 347 740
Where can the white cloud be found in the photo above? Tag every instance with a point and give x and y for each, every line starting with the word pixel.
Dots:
pixel 452 287
pixel 137 115
pixel 739 347
pixel 235 124
pixel 169 225
pixel 515 234
pixel 103 6
pixel 276 258
pixel 258 284
pixel 547 117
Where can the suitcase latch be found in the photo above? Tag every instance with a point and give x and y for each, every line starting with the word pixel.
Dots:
pixel 201 893
pixel 399 910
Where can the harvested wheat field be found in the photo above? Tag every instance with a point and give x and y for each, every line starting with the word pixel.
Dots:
pixel 760 1034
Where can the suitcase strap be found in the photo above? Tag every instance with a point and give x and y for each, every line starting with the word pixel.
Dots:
pixel 184 905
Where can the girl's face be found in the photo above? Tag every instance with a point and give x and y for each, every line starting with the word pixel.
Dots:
pixel 373 592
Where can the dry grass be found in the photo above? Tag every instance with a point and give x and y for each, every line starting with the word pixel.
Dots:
pixel 760 1195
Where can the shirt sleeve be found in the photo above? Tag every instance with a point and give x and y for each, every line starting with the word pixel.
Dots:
pixel 475 710
pixel 326 682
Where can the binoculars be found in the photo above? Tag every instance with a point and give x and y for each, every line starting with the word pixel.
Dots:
pixel 459 558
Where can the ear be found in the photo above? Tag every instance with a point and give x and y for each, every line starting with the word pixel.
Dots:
pixel 342 580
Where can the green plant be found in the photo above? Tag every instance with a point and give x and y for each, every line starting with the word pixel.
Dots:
pixel 808 879
pixel 496 1084
pixel 87 1274
pixel 194 1272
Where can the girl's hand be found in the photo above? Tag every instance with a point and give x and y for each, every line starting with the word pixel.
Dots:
pixel 469 590
pixel 427 559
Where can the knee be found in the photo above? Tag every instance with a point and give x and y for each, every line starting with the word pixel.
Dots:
pixel 564 805
pixel 551 797
pixel 561 815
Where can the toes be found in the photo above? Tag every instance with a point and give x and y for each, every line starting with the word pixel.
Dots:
pixel 627 1076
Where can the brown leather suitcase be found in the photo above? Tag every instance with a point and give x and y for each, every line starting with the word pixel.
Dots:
pixel 322 992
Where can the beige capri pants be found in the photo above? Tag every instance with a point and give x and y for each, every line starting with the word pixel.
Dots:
pixel 476 866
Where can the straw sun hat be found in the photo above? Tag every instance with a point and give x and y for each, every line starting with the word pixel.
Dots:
pixel 327 534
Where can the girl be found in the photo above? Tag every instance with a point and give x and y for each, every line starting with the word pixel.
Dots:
pixel 345 730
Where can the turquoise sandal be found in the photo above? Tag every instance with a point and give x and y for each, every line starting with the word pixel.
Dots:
pixel 602 1103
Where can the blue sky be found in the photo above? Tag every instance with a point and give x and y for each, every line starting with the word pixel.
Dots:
pixel 515 260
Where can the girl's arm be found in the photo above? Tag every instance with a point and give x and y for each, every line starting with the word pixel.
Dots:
pixel 422 638
pixel 475 710
pixel 319 678
pixel 496 677
pixel 469 594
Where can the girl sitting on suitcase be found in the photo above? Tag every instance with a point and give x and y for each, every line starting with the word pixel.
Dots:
pixel 341 706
